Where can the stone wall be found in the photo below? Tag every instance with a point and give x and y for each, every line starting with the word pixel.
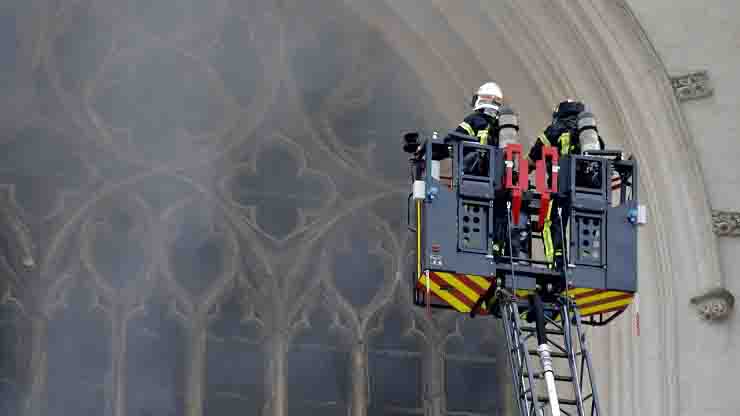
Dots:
pixel 699 45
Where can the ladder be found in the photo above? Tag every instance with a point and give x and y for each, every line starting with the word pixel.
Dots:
pixel 562 382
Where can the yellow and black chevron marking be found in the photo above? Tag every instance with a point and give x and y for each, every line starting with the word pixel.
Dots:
pixel 461 291
pixel 595 301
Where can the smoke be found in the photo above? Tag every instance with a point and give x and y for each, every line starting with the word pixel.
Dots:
pixel 153 136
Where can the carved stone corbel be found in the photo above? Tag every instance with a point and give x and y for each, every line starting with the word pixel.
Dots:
pixel 726 223
pixel 714 305
pixel 692 86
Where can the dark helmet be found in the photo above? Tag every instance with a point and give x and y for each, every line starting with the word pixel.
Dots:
pixel 567 108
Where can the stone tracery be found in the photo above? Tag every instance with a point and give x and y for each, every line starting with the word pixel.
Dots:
pixel 182 298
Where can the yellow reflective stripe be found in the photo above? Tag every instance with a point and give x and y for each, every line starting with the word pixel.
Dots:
pixel 564 141
pixel 599 296
pixel 595 309
pixel 480 281
pixel 447 297
pixel 418 238
pixel 578 291
pixel 468 128
pixel 543 139
pixel 483 136
pixel 547 235
pixel 460 286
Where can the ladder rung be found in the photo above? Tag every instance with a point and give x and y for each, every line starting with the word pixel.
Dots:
pixel 549 331
pixel 554 354
pixel 569 402
pixel 568 379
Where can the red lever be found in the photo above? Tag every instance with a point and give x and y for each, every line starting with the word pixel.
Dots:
pixel 512 150
pixel 541 181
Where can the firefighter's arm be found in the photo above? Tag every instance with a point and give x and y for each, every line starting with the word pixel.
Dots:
pixel 472 124
pixel 535 153
pixel 467 127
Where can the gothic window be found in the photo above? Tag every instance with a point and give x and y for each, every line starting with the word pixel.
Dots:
pixel 236 362
pixel 78 348
pixel 116 246
pixel 157 104
pixel 155 357
pixel 182 147
pixel 368 98
pixel 40 178
pixel 477 368
pixel 10 358
pixel 318 368
pixel 395 363
pixel 277 190
pixel 362 254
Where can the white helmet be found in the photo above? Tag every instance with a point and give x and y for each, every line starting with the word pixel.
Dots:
pixel 489 98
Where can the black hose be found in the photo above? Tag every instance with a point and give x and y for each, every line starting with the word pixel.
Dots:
pixel 539 313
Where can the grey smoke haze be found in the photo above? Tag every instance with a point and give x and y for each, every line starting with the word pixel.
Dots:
pixel 189 171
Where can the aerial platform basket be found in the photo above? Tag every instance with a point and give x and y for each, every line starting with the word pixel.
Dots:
pixel 458 220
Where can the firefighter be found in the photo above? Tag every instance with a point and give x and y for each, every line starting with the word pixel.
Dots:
pixel 483 124
pixel 495 124
pixel 572 131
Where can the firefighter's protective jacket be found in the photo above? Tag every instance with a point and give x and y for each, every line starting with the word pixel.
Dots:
pixel 563 134
pixel 482 126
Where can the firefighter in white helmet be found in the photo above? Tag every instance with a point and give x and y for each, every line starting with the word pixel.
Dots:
pixel 495 124
pixel 487 124
pixel 483 122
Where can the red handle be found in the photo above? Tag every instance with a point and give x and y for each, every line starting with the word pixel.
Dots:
pixel 548 152
pixel 511 151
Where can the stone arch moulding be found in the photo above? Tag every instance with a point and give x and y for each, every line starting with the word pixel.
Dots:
pixel 597 49
pixel 683 259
